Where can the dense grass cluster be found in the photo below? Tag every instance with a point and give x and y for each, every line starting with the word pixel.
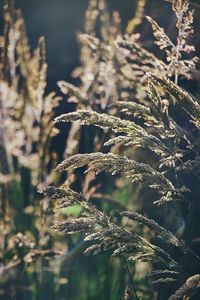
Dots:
pixel 133 120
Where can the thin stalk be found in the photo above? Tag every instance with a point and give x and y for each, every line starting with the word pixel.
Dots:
pixel 130 278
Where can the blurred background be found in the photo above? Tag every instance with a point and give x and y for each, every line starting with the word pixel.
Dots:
pixel 67 274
